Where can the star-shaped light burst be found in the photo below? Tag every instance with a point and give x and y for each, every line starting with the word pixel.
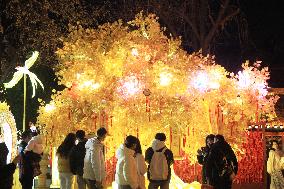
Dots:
pixel 18 75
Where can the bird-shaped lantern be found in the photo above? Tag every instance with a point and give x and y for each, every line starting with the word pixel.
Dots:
pixel 23 72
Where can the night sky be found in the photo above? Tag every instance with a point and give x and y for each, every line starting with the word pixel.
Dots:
pixel 266 27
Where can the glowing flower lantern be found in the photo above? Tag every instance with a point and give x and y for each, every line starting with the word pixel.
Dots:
pixel 244 79
pixel 165 78
pixel 50 107
pixel 24 72
pixel 8 130
pixel 129 87
pixel 154 77
pixel 89 85
pixel 134 52
pixel 200 81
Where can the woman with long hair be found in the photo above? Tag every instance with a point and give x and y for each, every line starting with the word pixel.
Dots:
pixel 63 152
pixel 141 165
pixel 274 166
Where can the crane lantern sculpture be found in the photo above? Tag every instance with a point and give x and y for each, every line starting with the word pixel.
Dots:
pixel 23 72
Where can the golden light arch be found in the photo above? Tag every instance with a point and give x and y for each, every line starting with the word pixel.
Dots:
pixel 8 130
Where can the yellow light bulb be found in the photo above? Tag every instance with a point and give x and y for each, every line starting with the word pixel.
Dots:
pixel 49 107
pixel 165 78
pixel 134 52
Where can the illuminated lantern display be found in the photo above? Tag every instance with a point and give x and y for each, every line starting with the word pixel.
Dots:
pixel 23 72
pixel 132 79
pixel 8 130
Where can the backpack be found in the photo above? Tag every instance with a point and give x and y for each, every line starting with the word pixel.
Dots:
pixel 227 168
pixel 159 169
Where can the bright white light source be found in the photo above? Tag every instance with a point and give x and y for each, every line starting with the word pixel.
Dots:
pixel 130 86
pixel 78 75
pixel 50 107
pixel 214 85
pixel 87 83
pixel 244 79
pixel 90 85
pixel 134 52
pixel 165 78
pixel 200 82
pixel 95 86
pixel 33 128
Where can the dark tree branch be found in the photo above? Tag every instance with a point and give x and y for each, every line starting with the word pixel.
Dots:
pixel 229 16
pixel 189 22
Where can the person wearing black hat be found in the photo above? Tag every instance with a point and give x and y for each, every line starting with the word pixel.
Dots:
pixel 159 158
pixel 6 170
pixel 221 165
pixel 76 159
pixel 94 162
pixel 25 169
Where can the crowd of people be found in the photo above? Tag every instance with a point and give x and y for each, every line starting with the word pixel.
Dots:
pixel 30 152
pixel 86 160
pixel 85 157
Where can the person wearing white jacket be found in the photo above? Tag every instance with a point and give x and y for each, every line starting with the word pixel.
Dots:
pixel 94 161
pixel 126 175
pixel 141 166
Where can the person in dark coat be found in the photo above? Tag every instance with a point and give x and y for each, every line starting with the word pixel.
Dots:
pixel 216 164
pixel 203 153
pixel 6 170
pixel 30 164
pixel 26 137
pixel 76 159
pixel 158 145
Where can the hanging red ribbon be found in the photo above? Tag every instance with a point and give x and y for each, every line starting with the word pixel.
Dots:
pixel 137 132
pixel 111 121
pixel 188 131
pixel 256 113
pixel 95 120
pixel 147 104
pixel 69 114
